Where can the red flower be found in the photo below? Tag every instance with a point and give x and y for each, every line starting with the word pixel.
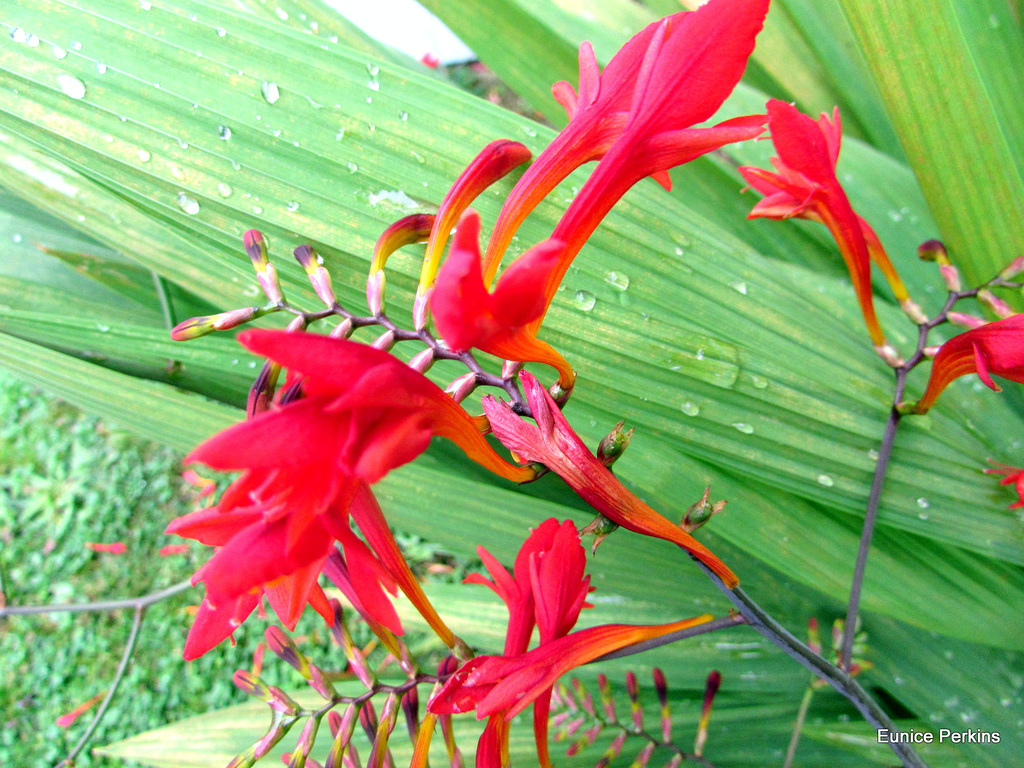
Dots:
pixel 635 118
pixel 466 315
pixel 307 465
pixel 994 348
pixel 806 187
pixel 492 684
pixel 553 443
pixel 548 590
pixel 1011 475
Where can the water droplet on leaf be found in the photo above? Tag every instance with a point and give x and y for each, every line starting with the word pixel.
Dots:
pixel 584 300
pixel 188 204
pixel 224 190
pixel 690 409
pixel 71 86
pixel 270 92
pixel 617 280
pixel 826 480
pixel 224 132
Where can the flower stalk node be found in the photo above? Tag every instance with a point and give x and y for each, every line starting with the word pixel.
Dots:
pixel 700 512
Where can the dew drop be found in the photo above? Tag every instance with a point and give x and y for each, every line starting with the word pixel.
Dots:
pixel 75 45
pixel 177 172
pixel 101 67
pixel 340 134
pixel 102 328
pixel 145 5
pixel 292 206
pixel 373 85
pixel 16 238
pixel 739 286
pixel 826 480
pixel 679 251
pixel 690 409
pixel 352 167
pixel 188 204
pixel 372 69
pixel 71 86
pixel 923 516
pixel 270 92
pixel 617 280
pixel 993 21
pixel 369 99
pixel 873 454
pixel 528 130
pixel 224 190
pixel 224 132
pixel 403 116
pixel 282 14
pixel 235 165
pixel 59 52
pixel 923 503
pixel 19 35
pixel 221 32
pixel 746 429
pixel 759 382
pixel 584 300
pixel 419 158
pixel 143 155
pixel 257 209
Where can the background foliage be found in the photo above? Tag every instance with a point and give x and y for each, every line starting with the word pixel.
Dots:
pixel 142 138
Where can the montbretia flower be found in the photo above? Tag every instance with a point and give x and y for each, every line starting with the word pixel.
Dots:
pixel 307 466
pixel 805 186
pixel 467 315
pixel 546 590
pixel 493 684
pixel 1011 476
pixel 635 118
pixel 553 443
pixel 994 348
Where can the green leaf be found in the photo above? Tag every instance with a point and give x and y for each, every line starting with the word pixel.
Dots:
pixel 950 77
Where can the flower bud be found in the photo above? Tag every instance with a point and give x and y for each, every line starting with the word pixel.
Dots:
pixel 256 246
pixel 964 320
pixel 312 262
pixel 250 684
pixel 950 276
pixel 698 514
pixel 1013 269
pixel 601 527
pixel 614 443
pixel 261 393
pixel 342 330
pixel 710 689
pixel 341 729
pixel 270 284
pixel 281 701
pixel 510 368
pixel 411 710
pixel 997 305
pixel 388 718
pixel 421 309
pixel 281 644
pixel 462 387
pixel 933 250
pixel 195 327
pixel 890 355
pixel 385 341
pixel 913 310
pixel 375 286
pixel 422 361
pixel 305 743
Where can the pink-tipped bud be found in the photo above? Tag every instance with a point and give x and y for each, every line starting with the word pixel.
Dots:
pixel 1012 269
pixel 318 682
pixel 342 727
pixel 421 309
pixel 913 310
pixel 997 305
pixel 195 327
pixel 281 644
pixel 644 756
pixel 173 549
pixel 931 351
pixel 950 276
pixel 375 287
pixel 256 246
pixel 388 718
pixel 966 321
pixel 385 341
pixel 633 690
pixel 890 355
pixel 607 699
pixel 933 250
pixel 411 710
pixel 700 512
pixel 614 444
pixel 510 368
pixel 300 756
pixel 422 361
pixel 68 718
pixel 585 699
pixel 661 687
pixel 320 279
pixel 342 330
pixel 281 701
pixel 714 682
pixel 251 685
pixel 270 284
pixel 461 388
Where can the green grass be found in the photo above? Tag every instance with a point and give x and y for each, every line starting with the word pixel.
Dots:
pixel 67 478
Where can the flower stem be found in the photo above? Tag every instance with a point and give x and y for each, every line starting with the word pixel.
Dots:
pixel 841 681
pixel 870 516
